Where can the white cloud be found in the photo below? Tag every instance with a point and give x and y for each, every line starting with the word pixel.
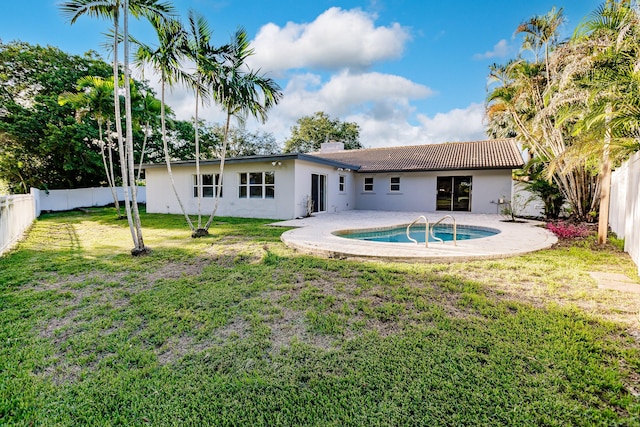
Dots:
pixel 180 99
pixel 456 125
pixel 379 103
pixel 335 40
pixel 500 50
pixel 346 42
pixel 347 92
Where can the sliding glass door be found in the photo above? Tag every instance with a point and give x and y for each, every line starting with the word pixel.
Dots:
pixel 454 193
pixel 319 192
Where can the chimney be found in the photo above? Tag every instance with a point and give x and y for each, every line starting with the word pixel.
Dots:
pixel 331 147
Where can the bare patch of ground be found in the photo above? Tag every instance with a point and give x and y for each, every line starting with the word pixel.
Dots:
pixel 176 270
pixel 230 250
pixel 291 326
pixel 362 306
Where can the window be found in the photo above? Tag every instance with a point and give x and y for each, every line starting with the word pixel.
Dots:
pixel 208 188
pixel 341 183
pixel 394 183
pixel 257 185
pixel 368 183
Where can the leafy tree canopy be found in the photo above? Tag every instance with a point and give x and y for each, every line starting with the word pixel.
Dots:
pixel 241 142
pixel 180 135
pixel 41 143
pixel 311 131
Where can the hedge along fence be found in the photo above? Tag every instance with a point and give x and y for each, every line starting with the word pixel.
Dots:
pixel 17 213
pixel 624 207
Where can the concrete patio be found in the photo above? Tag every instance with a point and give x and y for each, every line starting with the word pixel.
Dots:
pixel 314 235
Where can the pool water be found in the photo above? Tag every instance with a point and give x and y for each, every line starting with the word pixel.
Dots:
pixel 442 231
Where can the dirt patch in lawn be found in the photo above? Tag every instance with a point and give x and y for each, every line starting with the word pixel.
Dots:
pixel 176 270
pixel 356 304
pixel 231 250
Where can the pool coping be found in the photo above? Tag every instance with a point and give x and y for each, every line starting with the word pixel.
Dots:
pixel 315 235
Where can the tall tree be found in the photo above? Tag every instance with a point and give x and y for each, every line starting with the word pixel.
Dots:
pixel 520 93
pixel 600 91
pixel 311 131
pixel 41 143
pixel 165 58
pixel 541 34
pixel 94 97
pixel 206 59
pixel 240 142
pixel 112 9
pixel 241 92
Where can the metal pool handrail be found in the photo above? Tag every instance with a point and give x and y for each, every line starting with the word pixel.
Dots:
pixel 455 231
pixel 426 231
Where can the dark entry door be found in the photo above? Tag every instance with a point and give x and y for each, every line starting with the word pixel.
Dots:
pixel 453 193
pixel 319 192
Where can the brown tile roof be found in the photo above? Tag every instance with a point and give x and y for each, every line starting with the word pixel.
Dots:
pixel 491 154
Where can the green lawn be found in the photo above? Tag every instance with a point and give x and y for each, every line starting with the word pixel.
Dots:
pixel 236 329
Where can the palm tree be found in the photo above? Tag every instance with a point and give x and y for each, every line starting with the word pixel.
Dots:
pixel 205 57
pixel 111 9
pixel 165 58
pixel 240 91
pixel 95 97
pixel 603 92
pixel 519 103
pixel 541 33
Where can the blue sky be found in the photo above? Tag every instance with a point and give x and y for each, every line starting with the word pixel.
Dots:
pixel 407 71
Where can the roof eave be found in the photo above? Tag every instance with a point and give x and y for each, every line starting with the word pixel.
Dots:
pixel 255 159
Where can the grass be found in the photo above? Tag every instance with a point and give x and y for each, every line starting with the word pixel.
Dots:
pixel 236 329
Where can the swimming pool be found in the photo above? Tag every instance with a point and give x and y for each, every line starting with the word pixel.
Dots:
pixel 398 234
pixel 320 236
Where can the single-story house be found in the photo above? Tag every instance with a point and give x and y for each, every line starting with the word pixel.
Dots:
pixel 457 176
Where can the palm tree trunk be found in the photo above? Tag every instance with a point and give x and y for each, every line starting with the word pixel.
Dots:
pixel 139 242
pixel 605 184
pixel 110 182
pixel 144 145
pixel 222 158
pixel 118 119
pixel 167 158
pixel 198 176
pixel 112 175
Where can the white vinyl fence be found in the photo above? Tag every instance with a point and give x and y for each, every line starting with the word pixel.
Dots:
pixel 624 210
pixel 17 213
pixel 65 200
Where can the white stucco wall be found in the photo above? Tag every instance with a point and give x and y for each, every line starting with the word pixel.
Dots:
pixel 161 199
pixel 293 186
pixel 418 190
pixel 336 201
